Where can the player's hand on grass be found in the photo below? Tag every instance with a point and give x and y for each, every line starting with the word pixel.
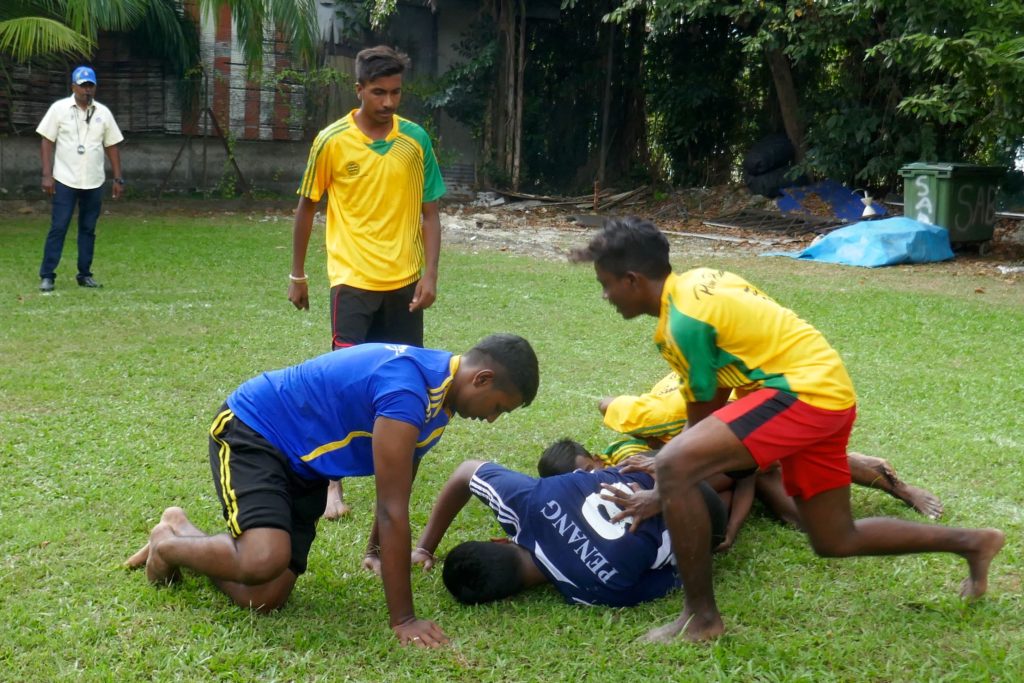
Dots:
pixel 421 633
pixel 298 294
pixel 424 557
pixel 638 463
pixel 730 538
pixel 639 504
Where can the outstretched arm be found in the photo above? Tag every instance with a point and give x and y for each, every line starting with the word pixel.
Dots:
pixel 394 443
pixel 453 497
pixel 371 559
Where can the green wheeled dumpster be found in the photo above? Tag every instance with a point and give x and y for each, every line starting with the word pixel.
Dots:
pixel 958 197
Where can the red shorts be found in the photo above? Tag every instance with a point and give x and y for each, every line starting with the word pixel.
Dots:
pixel 809 443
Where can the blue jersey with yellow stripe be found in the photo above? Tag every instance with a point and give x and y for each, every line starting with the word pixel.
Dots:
pixel 321 413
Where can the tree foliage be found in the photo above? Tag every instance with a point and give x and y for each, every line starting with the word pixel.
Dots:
pixel 861 86
pixel 294 20
pixel 34 29
pixel 879 82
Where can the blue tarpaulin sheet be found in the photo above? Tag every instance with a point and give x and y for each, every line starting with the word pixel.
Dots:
pixel 886 242
pixel 845 203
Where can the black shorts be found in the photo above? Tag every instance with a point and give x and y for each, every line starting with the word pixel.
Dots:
pixel 360 315
pixel 257 487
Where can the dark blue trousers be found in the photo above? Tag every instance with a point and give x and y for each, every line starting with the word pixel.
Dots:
pixel 64 200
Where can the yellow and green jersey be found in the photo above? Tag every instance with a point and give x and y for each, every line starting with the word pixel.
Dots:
pixel 375 195
pixel 658 414
pixel 717 330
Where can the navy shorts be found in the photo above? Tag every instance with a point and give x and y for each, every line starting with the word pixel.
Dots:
pixel 257 487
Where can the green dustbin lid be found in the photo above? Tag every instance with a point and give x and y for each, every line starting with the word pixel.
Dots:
pixel 943 169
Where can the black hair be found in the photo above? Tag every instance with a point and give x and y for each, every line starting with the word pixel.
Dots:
pixel 518 363
pixel 560 458
pixel 378 62
pixel 625 245
pixel 482 571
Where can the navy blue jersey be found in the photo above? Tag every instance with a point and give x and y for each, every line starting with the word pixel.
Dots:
pixel 564 522
pixel 320 413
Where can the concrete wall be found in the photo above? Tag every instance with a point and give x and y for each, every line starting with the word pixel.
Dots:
pixel 271 166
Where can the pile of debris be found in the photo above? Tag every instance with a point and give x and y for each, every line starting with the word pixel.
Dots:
pixel 600 200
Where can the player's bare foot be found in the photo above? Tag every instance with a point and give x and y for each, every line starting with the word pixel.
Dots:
pixel 885 478
pixel 138 560
pixel 925 502
pixel 158 571
pixel 693 629
pixel 336 507
pixel 990 542
pixel 179 523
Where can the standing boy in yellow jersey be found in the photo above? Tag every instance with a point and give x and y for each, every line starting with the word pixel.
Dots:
pixel 796 406
pixel 382 183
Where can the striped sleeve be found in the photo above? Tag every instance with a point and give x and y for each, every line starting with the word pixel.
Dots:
pixel 433 183
pixel 317 176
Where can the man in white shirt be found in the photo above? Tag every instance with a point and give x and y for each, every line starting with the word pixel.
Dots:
pixel 77 132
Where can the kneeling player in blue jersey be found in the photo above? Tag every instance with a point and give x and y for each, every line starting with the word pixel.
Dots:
pixel 279 438
pixel 560 531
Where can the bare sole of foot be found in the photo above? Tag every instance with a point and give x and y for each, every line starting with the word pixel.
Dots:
pixel 688 628
pixel 181 525
pixel 991 542
pixel 922 500
pixel 157 570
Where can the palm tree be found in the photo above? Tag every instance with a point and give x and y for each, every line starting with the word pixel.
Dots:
pixel 69 28
pixel 295 19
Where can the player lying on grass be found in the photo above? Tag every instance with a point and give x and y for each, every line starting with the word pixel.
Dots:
pixel 797 407
pixel 560 532
pixel 369 409
pixel 650 420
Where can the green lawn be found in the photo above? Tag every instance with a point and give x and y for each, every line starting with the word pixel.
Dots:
pixel 106 396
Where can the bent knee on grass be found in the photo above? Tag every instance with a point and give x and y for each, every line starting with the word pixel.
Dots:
pixel 262 555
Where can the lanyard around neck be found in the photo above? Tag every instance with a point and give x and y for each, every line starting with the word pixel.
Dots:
pixel 78 131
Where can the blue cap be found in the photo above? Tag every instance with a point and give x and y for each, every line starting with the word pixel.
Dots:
pixel 83 74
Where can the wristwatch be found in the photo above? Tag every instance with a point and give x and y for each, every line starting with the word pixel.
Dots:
pixel 119 181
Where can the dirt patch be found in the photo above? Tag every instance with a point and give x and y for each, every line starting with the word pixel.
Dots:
pixel 549 232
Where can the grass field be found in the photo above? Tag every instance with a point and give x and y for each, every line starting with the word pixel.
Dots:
pixel 106 396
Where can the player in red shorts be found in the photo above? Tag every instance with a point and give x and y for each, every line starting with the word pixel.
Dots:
pixel 796 406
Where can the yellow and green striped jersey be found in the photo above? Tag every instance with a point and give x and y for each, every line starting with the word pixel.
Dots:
pixel 375 195
pixel 718 330
pixel 658 414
